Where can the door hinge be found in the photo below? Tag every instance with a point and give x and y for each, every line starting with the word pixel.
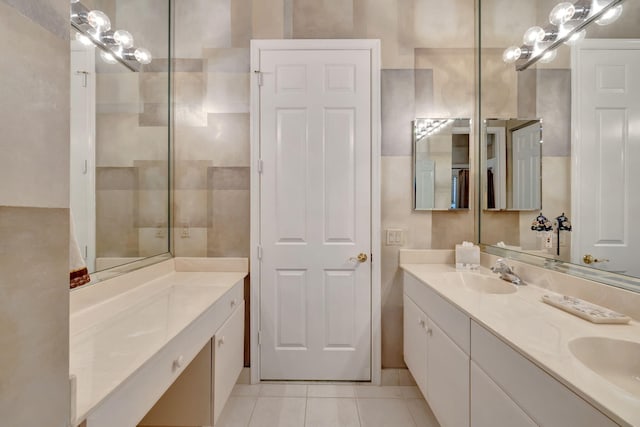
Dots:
pixel 258 73
pixel 371 258
pixel 260 166
pixel 259 252
pixel 259 337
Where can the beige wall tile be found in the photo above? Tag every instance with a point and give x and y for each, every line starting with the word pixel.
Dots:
pixel 201 24
pixel 225 141
pixel 118 92
pixel 499 87
pixel 228 233
pixel 439 24
pixel 148 29
pixel 383 21
pixel 116 214
pixel 453 80
pixel 34 112
pixel 227 93
pixel 34 316
pixel 193 245
pixel 449 228
pixel 267 19
pixel 314 19
pixel 241 22
pixel 191 207
pixel 153 241
pixel 500 227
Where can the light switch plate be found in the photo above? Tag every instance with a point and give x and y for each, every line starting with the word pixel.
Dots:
pixel 394 237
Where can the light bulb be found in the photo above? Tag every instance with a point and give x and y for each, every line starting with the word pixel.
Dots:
pixel 549 56
pixel 533 35
pixel 108 57
pixel 99 20
pixel 123 38
pixel 75 1
pixel 142 55
pixel 511 54
pixel 610 16
pixel 576 38
pixel 83 39
pixel 562 13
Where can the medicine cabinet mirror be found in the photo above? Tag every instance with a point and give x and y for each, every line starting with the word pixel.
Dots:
pixel 441 164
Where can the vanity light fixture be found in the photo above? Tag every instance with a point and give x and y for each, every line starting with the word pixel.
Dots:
pixel 567 22
pixel 94 26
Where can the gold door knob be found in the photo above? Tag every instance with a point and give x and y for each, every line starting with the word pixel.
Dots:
pixel 589 259
pixel 362 257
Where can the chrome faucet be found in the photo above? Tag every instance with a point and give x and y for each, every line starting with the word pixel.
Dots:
pixel 506 272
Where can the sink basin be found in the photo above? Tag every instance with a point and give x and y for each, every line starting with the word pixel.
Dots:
pixel 485 284
pixel 617 361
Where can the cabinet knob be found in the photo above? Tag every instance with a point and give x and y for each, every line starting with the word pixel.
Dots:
pixel 233 303
pixel 179 362
pixel 421 322
pixel 221 341
pixel 429 331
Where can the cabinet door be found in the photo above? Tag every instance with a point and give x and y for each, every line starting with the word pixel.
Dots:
pixel 448 379
pixel 490 406
pixel 415 343
pixel 228 358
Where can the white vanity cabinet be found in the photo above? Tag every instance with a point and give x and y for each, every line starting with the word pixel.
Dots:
pixel 436 351
pixel 545 400
pixel 200 393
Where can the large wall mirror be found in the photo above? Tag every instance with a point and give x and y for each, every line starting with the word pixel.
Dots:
pixel 579 73
pixel 441 164
pixel 120 116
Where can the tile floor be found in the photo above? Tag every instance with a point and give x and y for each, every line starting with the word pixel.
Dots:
pixel 397 403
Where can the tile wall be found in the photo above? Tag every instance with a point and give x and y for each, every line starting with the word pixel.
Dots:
pixel 428 71
pixel 34 214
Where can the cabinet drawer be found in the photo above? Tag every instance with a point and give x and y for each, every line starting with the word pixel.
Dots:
pixel 228 358
pixel 490 406
pixel 545 400
pixel 440 311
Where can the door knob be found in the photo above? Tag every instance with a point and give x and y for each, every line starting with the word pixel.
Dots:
pixel 362 257
pixel 589 259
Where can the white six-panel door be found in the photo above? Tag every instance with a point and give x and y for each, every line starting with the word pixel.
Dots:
pixel 606 150
pixel 315 214
pixel 526 167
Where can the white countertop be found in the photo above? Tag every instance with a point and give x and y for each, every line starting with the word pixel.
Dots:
pixel 541 333
pixel 111 340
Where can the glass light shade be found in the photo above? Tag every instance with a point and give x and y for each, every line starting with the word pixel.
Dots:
pixel 108 57
pixel 511 54
pixel 75 1
pixel 99 20
pixel 610 16
pixel 83 39
pixel 533 35
pixel 549 56
pixel 123 38
pixel 562 13
pixel 576 38
pixel 142 55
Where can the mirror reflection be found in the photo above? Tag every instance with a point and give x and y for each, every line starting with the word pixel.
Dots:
pixel 586 93
pixel 120 134
pixel 512 164
pixel 441 164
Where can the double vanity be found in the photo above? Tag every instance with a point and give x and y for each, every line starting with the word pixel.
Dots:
pixel 485 352
pixel 174 329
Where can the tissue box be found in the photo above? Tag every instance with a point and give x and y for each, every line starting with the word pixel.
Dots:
pixel 467 256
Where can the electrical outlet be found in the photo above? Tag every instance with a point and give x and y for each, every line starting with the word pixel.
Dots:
pixel 395 237
pixel 185 231
pixel 159 230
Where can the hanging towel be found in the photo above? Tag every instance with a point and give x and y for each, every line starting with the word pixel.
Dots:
pixel 79 274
